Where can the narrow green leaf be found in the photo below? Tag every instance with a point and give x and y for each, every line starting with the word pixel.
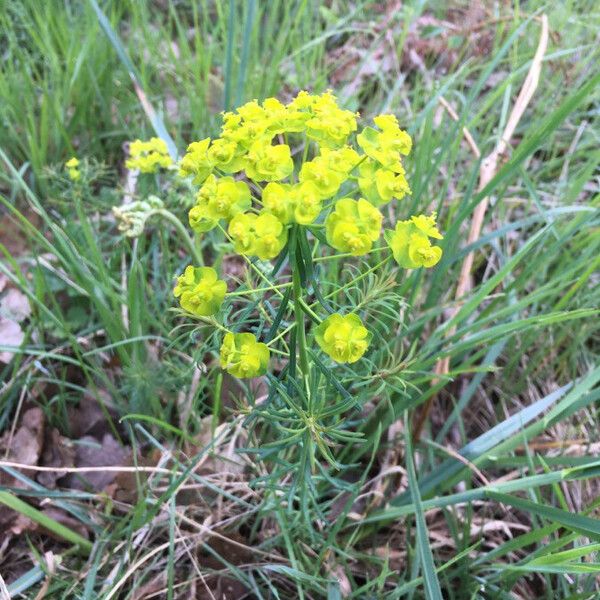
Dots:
pixel 584 525
pixel 430 579
pixel 44 520
pixel 155 120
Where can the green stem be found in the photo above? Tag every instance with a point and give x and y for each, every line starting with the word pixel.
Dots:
pixel 299 314
pixel 181 230
pixel 347 255
pixel 263 289
pixel 60 530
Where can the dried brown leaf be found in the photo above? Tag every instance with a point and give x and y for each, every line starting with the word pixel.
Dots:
pixel 25 445
pixel 91 453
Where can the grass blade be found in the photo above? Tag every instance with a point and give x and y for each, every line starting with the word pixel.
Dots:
pixel 430 579
pixel 155 120
pixel 45 521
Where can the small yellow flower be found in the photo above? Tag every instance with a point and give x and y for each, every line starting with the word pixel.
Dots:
pixel 270 236
pixel 265 162
pixel 380 185
pixel 241 231
pixel 262 235
pixel 72 166
pixel 353 226
pixel 387 145
pixel 303 101
pixel 343 338
pixel 282 118
pixel 393 135
pixel 226 156
pixel 200 291
pixel 218 199
pixel 391 185
pixel 307 203
pixel 278 199
pixel 427 225
pixel 148 157
pixel 243 356
pixel 331 125
pixel 195 162
pixel 299 203
pixel 326 180
pixel 342 160
pixel 200 218
pixel 410 243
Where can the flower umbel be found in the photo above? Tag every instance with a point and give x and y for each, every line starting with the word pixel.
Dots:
pixel 343 338
pixel 72 166
pixel 353 226
pixel 200 291
pixel 271 204
pixel 410 243
pixel 243 356
pixel 148 156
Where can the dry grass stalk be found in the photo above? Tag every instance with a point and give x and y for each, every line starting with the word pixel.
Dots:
pixel 487 172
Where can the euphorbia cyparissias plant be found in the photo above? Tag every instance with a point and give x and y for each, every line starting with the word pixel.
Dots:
pixel 269 203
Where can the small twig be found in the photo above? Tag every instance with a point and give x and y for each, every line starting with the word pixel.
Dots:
pixel 472 144
pixel 140 469
pixel 487 171
pixel 462 459
pixel 565 168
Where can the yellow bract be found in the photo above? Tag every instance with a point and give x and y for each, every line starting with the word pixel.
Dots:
pixel 243 356
pixel 148 156
pixel 218 199
pixel 385 146
pixel 265 162
pixel 410 243
pixel 200 291
pixel 343 338
pixel 261 235
pixel 72 166
pixel 299 203
pixel 353 226
pixel 196 162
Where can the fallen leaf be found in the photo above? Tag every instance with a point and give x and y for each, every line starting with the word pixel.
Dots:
pixel 25 445
pixel 13 523
pixel 15 305
pixel 14 308
pixel 89 452
pixel 127 485
pixel 155 585
pixel 11 334
pixel 88 418
pixel 64 519
pixel 58 452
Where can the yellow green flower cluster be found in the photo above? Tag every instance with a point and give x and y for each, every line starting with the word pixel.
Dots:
pixel 148 157
pixel 72 166
pixel 344 338
pixel 243 356
pixel 200 291
pixel 353 226
pixel 410 243
pixel 258 192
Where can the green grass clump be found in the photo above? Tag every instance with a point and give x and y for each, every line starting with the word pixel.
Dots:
pixel 499 497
